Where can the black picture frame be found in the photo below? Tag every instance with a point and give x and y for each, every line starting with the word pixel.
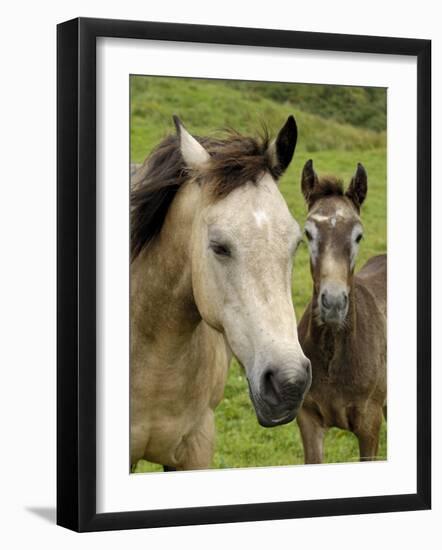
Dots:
pixel 76 273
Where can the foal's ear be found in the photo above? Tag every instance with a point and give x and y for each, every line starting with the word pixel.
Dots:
pixel 283 148
pixel 357 190
pixel 193 152
pixel 309 180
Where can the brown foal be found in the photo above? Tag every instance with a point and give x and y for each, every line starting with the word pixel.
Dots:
pixel 343 330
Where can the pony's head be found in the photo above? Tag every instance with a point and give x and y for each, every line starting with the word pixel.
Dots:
pixel 242 247
pixel 333 230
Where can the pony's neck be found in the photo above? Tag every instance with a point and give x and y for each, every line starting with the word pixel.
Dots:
pixel 161 276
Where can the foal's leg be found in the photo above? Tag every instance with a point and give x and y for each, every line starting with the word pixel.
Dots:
pixel 367 431
pixel 312 433
pixel 198 446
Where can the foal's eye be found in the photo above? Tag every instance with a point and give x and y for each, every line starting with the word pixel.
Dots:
pixel 308 235
pixel 359 238
pixel 220 249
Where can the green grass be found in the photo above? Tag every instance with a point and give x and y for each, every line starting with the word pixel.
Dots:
pixel 208 106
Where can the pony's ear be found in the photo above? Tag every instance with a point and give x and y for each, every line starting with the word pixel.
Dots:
pixel 193 152
pixel 357 190
pixel 309 180
pixel 283 148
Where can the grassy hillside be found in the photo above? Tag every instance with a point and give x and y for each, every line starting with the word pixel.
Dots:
pixel 355 105
pixel 208 106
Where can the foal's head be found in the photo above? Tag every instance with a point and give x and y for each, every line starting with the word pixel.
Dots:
pixel 333 230
pixel 243 243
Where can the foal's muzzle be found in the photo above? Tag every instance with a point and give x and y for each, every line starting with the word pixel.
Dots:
pixel 333 304
pixel 280 393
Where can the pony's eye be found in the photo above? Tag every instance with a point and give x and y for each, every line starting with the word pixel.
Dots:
pixel 220 249
pixel 358 238
pixel 308 235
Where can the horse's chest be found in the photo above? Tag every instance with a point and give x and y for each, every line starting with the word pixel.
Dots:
pixel 336 411
pixel 341 374
pixel 172 400
pixel 337 392
pixel 171 424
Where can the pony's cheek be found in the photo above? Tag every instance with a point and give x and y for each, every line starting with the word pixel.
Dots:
pixel 237 339
pixel 208 297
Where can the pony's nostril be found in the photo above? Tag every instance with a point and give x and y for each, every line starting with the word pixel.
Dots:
pixel 272 392
pixel 344 299
pixel 324 301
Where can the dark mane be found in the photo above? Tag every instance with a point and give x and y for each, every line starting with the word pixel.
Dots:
pixel 235 160
pixel 326 186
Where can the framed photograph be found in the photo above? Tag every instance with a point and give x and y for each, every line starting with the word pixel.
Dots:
pixel 244 278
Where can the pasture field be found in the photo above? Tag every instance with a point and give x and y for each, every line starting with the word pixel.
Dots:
pixel 206 107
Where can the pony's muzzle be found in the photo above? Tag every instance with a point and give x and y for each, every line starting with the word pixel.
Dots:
pixel 281 392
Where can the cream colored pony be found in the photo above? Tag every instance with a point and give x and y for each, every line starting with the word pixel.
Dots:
pixel 212 250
